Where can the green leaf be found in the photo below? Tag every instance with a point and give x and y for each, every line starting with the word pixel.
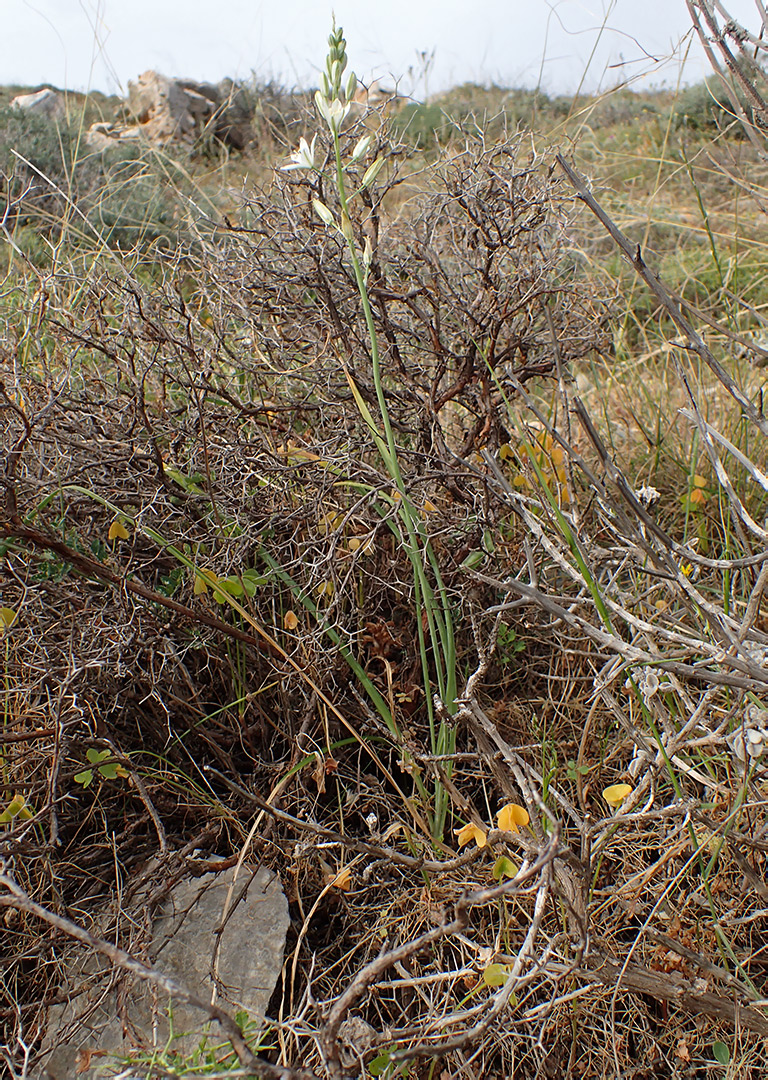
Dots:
pixel 495 975
pixel 504 867
pixel 7 617
pixel 109 772
pixel 229 585
pixel 380 1064
pixel 253 580
pixel 85 777
pixel 473 560
pixel 190 484
pixel 95 756
pixel 721 1053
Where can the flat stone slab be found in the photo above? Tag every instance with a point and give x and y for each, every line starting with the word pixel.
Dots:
pixel 110 1013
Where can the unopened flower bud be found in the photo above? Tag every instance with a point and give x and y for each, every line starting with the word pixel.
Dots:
pixel 372 172
pixel 361 149
pixel 323 212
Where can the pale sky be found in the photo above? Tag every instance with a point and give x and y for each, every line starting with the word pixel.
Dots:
pixel 101 44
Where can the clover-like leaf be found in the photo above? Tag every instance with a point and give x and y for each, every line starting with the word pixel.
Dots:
pixel 204 578
pixel 380 1064
pixel 504 868
pixel 231 585
pixel 252 580
pixel 496 974
pixel 110 770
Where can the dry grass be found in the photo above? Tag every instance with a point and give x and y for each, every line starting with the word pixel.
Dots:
pixel 201 401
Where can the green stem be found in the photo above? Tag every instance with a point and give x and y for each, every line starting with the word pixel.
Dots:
pixel 438 615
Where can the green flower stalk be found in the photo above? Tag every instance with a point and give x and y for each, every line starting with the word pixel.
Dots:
pixel 333 102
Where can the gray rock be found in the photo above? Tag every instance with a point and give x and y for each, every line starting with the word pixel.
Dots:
pixel 45 102
pixel 182 110
pixel 110 1014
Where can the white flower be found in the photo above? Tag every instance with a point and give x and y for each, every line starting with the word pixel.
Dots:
pixel 333 112
pixel 747 744
pixel 755 716
pixel 304 157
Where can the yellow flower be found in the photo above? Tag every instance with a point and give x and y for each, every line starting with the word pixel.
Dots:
pixel 616 793
pixel 117 531
pixel 511 817
pixel 470 832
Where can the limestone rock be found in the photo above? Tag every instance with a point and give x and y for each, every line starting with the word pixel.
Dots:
pixel 182 110
pixel 45 102
pixel 109 1014
pixel 104 135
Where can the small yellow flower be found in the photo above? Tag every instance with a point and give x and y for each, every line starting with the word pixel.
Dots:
pixel 117 531
pixel 616 794
pixel 470 832
pixel 511 817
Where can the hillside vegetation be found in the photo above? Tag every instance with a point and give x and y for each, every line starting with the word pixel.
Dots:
pixel 382 520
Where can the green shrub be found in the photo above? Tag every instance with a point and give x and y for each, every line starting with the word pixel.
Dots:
pixel 48 148
pixel 44 143
pixel 133 206
pixel 471 109
pixel 704 106
pixel 425 126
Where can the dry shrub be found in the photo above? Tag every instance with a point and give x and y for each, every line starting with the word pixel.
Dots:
pixel 206 409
